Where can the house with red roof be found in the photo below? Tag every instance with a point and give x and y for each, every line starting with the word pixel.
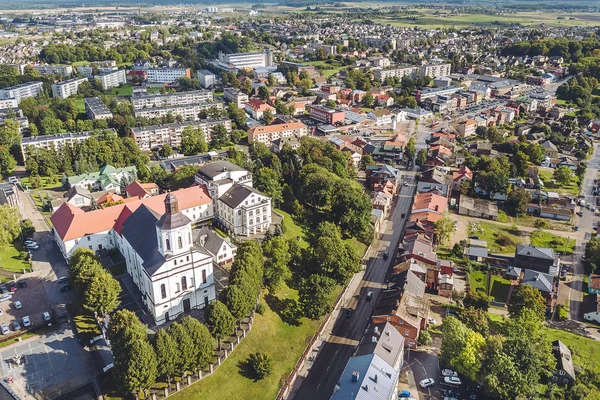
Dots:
pixel 256 108
pixel 462 175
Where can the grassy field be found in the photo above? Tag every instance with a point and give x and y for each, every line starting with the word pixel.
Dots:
pixel 529 221
pixel 80 105
pixel 478 282
pixel 12 258
pixel 500 287
pixel 46 184
pixel 545 175
pixel 325 67
pixel 124 90
pixel 557 243
pixel 284 342
pixel 500 239
pixel 292 230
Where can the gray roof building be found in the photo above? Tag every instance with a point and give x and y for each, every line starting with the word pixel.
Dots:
pixel 237 194
pixel 367 377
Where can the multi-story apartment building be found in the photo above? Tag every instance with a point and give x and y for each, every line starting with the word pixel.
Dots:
pixel 246 60
pixel 467 128
pixel 63 70
pixel 235 96
pixel 156 136
pixel 96 109
pixel 427 93
pixel 165 75
pixel 206 78
pixel 435 70
pixel 112 79
pixel 187 112
pixel 22 91
pixel 88 70
pixel 55 141
pixel 379 42
pixel 8 103
pixel 151 100
pixel 326 115
pixel 267 134
pixel 67 88
pixel 398 72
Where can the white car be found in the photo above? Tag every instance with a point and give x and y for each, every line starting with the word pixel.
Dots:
pixel 452 380
pixel 17 305
pixel 425 383
pixel 448 372
pixel 432 321
pixel 5 329
pixel 26 321
pixel 46 316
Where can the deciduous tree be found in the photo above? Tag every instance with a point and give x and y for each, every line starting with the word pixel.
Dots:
pixel 219 320
pixel 102 293
pixel 202 340
pixel 166 354
pixel 185 348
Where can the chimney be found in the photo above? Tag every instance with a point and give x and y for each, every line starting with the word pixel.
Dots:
pixel 355 376
pixel 376 330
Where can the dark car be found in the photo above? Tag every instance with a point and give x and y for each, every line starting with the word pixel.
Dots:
pixel 348 313
pixel 3 289
pixel 65 287
pixel 385 255
pixel 22 283
pixel 12 287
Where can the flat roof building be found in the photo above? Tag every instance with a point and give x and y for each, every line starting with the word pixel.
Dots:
pixel 112 79
pixel 156 136
pixel 22 91
pixel 96 109
pixel 165 75
pixel 67 88
pixel 149 100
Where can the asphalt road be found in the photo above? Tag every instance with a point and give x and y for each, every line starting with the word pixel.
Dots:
pixel 347 332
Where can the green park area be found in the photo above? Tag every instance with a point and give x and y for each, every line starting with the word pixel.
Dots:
pixel 13 258
pixel 546 175
pixel 327 68
pixel 557 243
pixel 499 286
pixel 501 239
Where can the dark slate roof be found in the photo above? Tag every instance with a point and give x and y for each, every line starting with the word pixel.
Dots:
pixel 237 194
pixel 414 285
pixel 212 242
pixel 539 280
pixel 76 190
pixel 536 252
pixel 563 358
pixel 215 168
pixel 139 230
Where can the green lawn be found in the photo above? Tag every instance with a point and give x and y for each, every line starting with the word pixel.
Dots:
pixel 500 287
pixel 80 105
pixel 545 175
pixel 124 90
pixel 46 184
pixel 557 243
pixel 12 258
pixel 284 342
pixel 500 239
pixel 325 68
pixel 292 230
pixel 477 279
pixel 529 221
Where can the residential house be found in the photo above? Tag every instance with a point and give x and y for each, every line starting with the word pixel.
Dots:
pixel 141 190
pixel 381 116
pixel 108 178
pixel 256 108
pixel 466 128
pixel 539 259
pixel 542 282
pixel 244 211
pixel 385 341
pixel 464 174
pixel 594 284
pixel 477 250
pixel 564 373
pixel 220 248
pixel 591 311
pixel 419 247
pixel 379 174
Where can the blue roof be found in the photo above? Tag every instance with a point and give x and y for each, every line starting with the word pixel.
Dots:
pixel 377 380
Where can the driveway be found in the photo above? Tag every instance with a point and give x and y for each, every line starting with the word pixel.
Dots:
pixel 55 362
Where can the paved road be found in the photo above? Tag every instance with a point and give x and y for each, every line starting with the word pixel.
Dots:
pixel 347 332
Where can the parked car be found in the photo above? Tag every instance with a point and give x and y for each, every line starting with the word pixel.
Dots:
pixel 63 279
pixel 369 295
pixel 32 246
pixel 5 329
pixel 26 321
pixel 348 313
pixel 30 241
pixel 12 287
pixel 22 283
pixel 452 380
pixel 432 321
pixel 449 372
pixel 15 326
pixel 3 289
pixel 425 383
pixel 404 393
pixel 17 305
pixel 46 316
pixel 386 255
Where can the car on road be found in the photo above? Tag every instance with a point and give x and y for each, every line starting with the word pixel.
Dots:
pixel 348 313
pixel 425 383
pixel 575 228
pixel 5 329
pixel 29 241
pixel 452 380
pixel 46 316
pixel 15 326
pixel 32 246
pixel 3 289
pixel 17 305
pixel 579 213
pixel 22 283
pixel 369 295
pixel 449 372
pixel 12 287
pixel 63 279
pixel 405 183
pixel 26 321
pixel 386 255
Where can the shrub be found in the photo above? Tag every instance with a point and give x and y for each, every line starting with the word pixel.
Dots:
pixel 260 365
pixel 425 338
pixel 261 308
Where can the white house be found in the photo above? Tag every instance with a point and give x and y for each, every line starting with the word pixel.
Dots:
pixel 173 274
pixel 244 211
pixel 220 248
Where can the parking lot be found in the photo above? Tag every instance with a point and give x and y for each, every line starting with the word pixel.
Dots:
pixel 34 302
pixel 55 362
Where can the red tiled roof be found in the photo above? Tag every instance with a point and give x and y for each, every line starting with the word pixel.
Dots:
pixel 137 189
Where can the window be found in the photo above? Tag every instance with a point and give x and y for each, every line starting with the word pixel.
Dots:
pixel 183 283
pixel 78 201
pixel 179 242
pixel 250 213
pixel 406 332
pixel 175 262
pixel 203 276
pixel 187 258
pixel 163 291
pixel 89 238
pixel 168 246
pixel 76 241
pixel 189 238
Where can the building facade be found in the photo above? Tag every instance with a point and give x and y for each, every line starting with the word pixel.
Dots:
pixel 96 109
pixel 112 79
pixel 22 91
pixel 165 75
pixel 246 60
pixel 235 96
pixel 156 136
pixel 63 70
pixel 206 78
pixel 55 141
pixel 67 88
pixel 151 100
pixel 326 115
pixel 187 112
pixel 267 134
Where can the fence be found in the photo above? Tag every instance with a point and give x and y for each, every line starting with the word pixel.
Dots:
pixel 289 382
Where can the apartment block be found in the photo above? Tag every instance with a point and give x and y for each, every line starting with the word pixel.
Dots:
pixel 187 112
pixel 165 75
pixel 96 109
pixel 88 70
pixel 435 70
pixel 246 60
pixel 112 79
pixel 63 70
pixel 206 78
pixel 22 91
pixel 235 96
pixel 326 115
pixel 67 88
pixel 55 141
pixel 149 100
pixel 8 103
pixel 267 134
pixel 399 72
pixel 156 136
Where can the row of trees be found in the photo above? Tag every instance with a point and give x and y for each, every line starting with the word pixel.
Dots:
pixel 100 291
